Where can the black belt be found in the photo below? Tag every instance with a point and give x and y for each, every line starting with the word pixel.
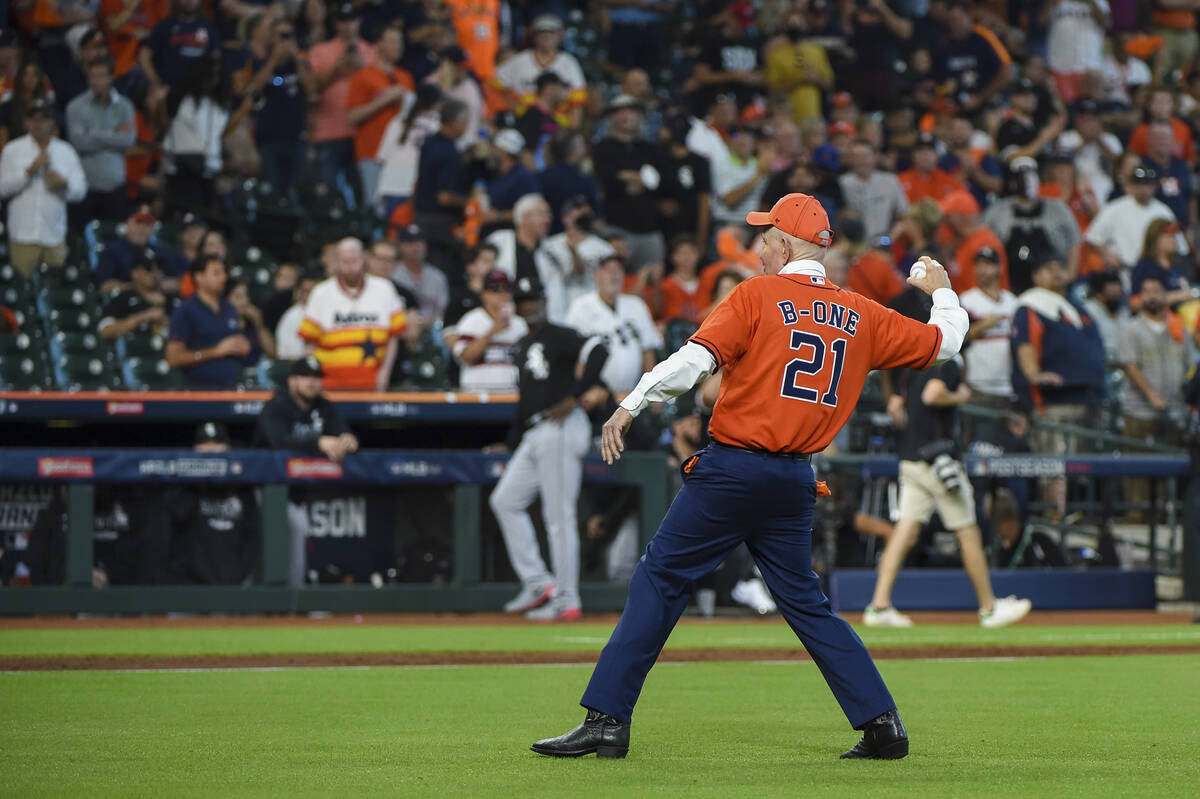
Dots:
pixel 794 456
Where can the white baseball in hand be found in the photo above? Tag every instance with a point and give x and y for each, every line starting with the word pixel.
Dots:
pixel 917 272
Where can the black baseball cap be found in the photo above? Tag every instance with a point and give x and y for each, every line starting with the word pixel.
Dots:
pixel 308 366
pixel 1023 86
pixel 454 54
pixel 926 141
pixel 345 11
pixel 146 259
pixel 576 201
pixel 987 254
pixel 212 431
pixel 548 78
pixel 528 289
pixel 409 233
pixel 497 280
pixel 38 106
pixel 1087 106
pixel 1144 174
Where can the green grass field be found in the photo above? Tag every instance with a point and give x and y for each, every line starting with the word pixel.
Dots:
pixel 1060 726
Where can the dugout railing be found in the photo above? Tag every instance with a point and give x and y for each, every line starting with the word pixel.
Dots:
pixel 469 473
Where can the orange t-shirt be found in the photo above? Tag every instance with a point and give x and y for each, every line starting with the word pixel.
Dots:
pixel 364 86
pixel 330 122
pixel 1185 148
pixel 122 43
pixel 477 23
pixel 796 351
pixel 1179 19
pixel 680 302
pixel 962 271
pixel 936 185
pixel 874 276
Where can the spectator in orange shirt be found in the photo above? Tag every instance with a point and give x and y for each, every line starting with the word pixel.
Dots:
pixel 964 235
pixel 1160 107
pixel 682 297
pixel 926 180
pixel 874 274
pixel 477 23
pixel 376 93
pixel 126 24
pixel 734 255
pixel 1175 22
pixel 333 63
pixel 1062 183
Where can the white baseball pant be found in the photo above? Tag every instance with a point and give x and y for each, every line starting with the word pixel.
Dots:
pixel 549 461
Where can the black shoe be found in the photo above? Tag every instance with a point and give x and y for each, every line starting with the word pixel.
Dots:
pixel 598 733
pixel 883 738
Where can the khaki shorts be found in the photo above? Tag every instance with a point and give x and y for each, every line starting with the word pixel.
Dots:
pixel 921 493
pixel 26 258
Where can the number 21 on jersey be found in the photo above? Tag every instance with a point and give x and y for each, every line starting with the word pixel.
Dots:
pixel 811 354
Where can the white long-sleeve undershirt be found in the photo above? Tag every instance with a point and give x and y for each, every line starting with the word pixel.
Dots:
pixel 692 363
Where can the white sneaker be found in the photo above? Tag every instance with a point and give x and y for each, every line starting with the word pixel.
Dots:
pixel 753 594
pixel 529 597
pixel 1008 610
pixel 888 617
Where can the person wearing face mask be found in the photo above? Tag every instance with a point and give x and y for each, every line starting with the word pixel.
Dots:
pixel 798 66
pixel 1033 228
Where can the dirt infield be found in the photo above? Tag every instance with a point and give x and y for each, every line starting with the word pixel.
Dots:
pixel 1043 617
pixel 446 659
pixel 428 659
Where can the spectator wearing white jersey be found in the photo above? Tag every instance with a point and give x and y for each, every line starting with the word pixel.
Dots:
pixel 622 322
pixel 487 338
pixel 988 355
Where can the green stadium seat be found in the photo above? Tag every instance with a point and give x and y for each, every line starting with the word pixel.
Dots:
pixel 81 343
pixel 17 295
pixel 83 372
pixel 428 366
pixel 274 373
pixel 70 275
pixel 429 374
pixel 28 372
pixel 28 320
pixel 138 346
pixel 21 344
pixel 149 374
pixel 73 319
pixel 10 276
pixel 260 283
pixel 252 379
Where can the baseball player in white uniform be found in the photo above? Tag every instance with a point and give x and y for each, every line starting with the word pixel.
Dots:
pixel 622 322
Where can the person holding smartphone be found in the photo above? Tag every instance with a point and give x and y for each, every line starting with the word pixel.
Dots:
pixel 487 337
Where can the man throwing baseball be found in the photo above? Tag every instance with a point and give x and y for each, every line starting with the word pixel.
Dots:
pixel 795 350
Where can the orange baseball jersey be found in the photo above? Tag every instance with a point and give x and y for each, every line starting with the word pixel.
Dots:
pixel 351 331
pixel 796 350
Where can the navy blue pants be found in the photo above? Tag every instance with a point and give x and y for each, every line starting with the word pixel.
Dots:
pixel 730 496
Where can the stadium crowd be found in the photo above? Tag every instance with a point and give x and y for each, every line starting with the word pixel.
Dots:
pixel 199 192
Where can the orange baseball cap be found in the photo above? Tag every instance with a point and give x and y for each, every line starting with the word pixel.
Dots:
pixel 799 215
pixel 960 202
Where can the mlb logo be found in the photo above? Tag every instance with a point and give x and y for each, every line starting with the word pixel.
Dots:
pixel 817 280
